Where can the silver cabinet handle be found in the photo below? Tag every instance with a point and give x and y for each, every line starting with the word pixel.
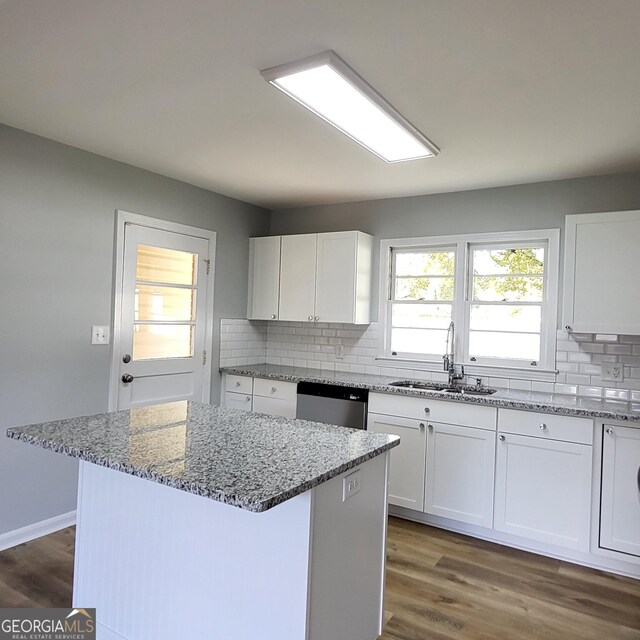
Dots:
pixel 273 389
pixel 502 438
pixel 273 316
pixel 248 398
pixel 427 410
pixel 237 383
pixel 543 426
pixel 638 479
pixel 609 431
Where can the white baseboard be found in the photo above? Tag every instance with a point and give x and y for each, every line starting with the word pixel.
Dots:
pixel 36 530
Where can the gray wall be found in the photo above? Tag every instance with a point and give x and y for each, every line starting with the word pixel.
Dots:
pixel 531 206
pixel 57 224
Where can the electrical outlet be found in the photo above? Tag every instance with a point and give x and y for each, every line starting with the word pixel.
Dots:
pixel 612 372
pixel 351 485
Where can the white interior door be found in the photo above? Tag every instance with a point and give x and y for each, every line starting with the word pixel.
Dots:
pixel 160 346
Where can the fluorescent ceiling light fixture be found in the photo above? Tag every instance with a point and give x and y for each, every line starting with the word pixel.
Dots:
pixel 328 86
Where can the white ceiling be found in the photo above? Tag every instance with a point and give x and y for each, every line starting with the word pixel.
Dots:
pixel 512 91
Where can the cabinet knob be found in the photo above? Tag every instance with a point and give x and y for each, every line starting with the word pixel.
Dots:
pixel 310 317
pixel 543 426
pixel 567 327
pixel 502 438
pixel 427 410
pixel 273 389
pixel 609 431
pixel 317 318
pixel 430 427
pixel 248 398
pixel 273 316
pixel 237 383
pixel 422 426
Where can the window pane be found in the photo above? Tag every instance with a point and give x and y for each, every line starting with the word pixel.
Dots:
pixel 419 340
pixel 162 341
pixel 429 263
pixel 156 264
pixel 506 261
pixel 424 289
pixel 163 303
pixel 426 316
pixel 504 345
pixel 506 318
pixel 508 288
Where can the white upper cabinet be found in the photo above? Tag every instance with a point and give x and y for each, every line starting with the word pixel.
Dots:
pixel 264 278
pixel 316 277
pixel 602 263
pixel 343 277
pixel 298 277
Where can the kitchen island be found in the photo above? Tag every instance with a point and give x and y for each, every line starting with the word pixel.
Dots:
pixel 201 522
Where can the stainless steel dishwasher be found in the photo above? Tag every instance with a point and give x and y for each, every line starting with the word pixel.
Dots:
pixel 333 404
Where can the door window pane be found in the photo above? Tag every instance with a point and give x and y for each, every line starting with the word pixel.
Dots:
pixel 157 264
pixel 164 303
pixel 162 341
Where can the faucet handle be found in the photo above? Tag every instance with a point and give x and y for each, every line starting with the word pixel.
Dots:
pixel 446 362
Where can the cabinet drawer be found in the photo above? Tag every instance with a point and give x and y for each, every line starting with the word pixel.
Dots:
pixel 275 389
pixel 275 406
pixel 463 413
pixel 237 401
pixel 546 425
pixel 238 384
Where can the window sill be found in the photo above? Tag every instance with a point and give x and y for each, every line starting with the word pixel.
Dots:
pixel 473 369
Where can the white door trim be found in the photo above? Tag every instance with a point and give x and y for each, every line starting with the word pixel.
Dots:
pixel 123 218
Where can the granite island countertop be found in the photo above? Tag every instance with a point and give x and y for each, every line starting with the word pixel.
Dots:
pixel 248 460
pixel 528 400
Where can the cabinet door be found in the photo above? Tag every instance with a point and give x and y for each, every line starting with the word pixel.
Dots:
pixel 601 266
pixel 298 277
pixel 406 471
pixel 459 479
pixel 264 278
pixel 620 510
pixel 237 401
pixel 275 406
pixel 336 276
pixel 543 490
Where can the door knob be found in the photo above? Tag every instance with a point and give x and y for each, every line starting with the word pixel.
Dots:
pixel 127 378
pixel 501 438
pixel 609 431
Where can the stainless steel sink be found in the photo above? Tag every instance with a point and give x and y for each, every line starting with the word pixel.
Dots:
pixel 445 388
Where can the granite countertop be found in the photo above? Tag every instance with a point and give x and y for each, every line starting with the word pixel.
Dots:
pixel 530 400
pixel 248 460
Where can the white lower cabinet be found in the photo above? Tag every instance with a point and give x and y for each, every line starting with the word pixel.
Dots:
pixel 237 401
pixel 620 506
pixel 407 465
pixel 459 473
pixel 543 490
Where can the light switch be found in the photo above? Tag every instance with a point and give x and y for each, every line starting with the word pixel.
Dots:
pixel 99 334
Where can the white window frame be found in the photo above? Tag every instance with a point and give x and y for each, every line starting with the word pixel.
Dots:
pixel 543 370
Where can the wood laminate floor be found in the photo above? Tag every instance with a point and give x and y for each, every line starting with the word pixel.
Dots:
pixel 440 586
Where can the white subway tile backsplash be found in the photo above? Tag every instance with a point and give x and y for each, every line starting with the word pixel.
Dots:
pixel 578 356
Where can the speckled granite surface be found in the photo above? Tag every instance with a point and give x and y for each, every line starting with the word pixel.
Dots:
pixel 533 401
pixel 247 460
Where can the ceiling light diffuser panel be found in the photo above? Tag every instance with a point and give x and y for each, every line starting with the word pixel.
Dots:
pixel 328 86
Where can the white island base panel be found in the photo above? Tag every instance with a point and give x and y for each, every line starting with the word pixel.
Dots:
pixel 160 564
